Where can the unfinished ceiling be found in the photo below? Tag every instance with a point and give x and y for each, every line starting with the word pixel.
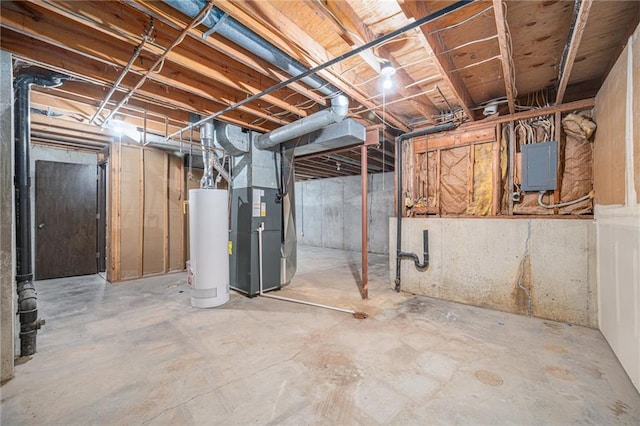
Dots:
pixel 516 54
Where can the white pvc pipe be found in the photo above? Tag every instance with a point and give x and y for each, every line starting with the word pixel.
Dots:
pixel 287 299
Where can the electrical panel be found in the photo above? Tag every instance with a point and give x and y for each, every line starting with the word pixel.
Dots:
pixel 539 166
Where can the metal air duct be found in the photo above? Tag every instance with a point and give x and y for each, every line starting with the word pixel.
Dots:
pixel 209 157
pixel 233 30
pixel 336 113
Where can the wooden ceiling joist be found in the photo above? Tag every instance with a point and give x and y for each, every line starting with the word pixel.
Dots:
pixel 167 15
pixel 213 65
pixel 247 12
pixel 418 100
pixel 508 71
pixel 62 33
pixel 70 63
pixel 418 9
pixel 569 55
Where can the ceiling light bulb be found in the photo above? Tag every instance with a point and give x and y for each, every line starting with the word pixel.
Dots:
pixel 387 83
pixel 387 69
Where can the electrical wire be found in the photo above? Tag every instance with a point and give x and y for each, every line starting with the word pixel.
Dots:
pixel 457 24
pixel 589 196
pixel 469 44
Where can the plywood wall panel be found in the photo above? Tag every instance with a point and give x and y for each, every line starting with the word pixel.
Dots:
pixel 146 221
pixel 130 186
pixel 609 146
pixel 154 212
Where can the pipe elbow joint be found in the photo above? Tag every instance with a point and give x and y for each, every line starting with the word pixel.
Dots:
pixel 27 304
pixel 339 107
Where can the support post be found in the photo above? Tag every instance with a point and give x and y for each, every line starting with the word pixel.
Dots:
pixel 364 292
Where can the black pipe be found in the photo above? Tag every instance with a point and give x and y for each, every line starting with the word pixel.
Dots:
pixel 425 236
pixel 27 300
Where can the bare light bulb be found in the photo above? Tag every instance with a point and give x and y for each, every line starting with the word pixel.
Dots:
pixel 387 83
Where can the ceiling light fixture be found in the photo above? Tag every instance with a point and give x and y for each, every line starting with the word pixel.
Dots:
pixel 387 69
pixel 386 72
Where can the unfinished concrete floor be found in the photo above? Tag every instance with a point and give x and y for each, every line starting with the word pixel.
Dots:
pixel 137 352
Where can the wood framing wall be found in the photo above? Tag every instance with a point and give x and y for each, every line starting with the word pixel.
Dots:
pixel 146 228
pixel 474 170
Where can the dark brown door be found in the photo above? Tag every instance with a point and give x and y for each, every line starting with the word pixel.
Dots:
pixel 65 220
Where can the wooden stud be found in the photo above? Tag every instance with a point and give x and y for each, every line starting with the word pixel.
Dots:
pixel 497 174
pixel 470 177
pixel 505 53
pixel 438 182
pixel 141 214
pixel 574 44
pixel 560 156
pixel 165 239
pixel 511 173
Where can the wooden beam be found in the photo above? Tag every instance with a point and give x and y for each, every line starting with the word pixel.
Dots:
pixel 496 174
pixel 66 62
pixel 505 53
pixel 559 159
pixel 353 36
pixel 570 106
pixel 422 104
pixel 442 61
pixel 281 31
pixel 193 56
pixel 167 15
pixel 59 103
pixel 572 49
pixel 63 33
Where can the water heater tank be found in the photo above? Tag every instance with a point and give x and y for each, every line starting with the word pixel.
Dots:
pixel 208 244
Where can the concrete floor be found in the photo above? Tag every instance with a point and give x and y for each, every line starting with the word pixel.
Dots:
pixel 137 352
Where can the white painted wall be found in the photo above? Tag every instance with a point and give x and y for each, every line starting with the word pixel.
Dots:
pixel 477 262
pixel 618 227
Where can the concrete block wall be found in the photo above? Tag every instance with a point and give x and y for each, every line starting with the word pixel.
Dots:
pixel 478 262
pixel 329 212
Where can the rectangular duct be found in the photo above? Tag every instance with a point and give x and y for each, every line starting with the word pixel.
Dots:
pixel 339 135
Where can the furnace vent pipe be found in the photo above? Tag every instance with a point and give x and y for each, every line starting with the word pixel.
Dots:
pixel 27 297
pixel 233 30
pixel 425 236
pixel 321 119
pixel 209 157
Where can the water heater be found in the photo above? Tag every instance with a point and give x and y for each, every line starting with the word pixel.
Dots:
pixel 209 238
